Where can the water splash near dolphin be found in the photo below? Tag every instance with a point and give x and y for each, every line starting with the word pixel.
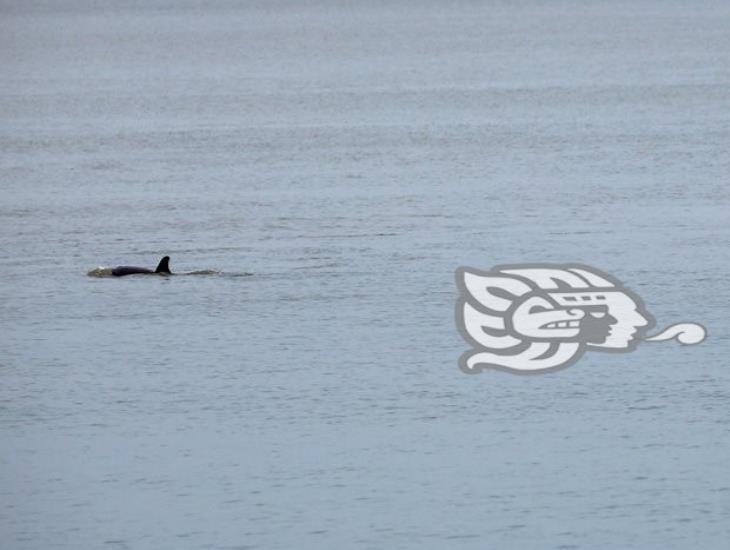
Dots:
pixel 686 333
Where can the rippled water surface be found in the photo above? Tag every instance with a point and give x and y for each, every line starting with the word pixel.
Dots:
pixel 331 166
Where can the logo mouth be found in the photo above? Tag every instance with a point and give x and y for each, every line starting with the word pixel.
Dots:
pixel 561 324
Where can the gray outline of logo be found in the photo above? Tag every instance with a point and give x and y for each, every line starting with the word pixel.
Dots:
pixel 521 351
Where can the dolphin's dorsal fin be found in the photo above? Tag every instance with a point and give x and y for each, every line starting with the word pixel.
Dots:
pixel 164 265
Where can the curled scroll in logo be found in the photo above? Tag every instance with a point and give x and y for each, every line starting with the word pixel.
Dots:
pixel 685 333
pixel 542 317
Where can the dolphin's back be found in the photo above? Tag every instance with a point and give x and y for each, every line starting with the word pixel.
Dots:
pixel 163 268
pixel 123 270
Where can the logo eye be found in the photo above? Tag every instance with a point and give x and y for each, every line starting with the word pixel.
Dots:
pixel 539 309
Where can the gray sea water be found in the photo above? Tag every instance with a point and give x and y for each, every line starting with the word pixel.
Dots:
pixel 350 156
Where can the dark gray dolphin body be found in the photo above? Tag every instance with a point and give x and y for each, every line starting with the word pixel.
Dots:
pixel 163 268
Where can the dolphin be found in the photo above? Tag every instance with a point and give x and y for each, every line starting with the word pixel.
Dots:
pixel 163 268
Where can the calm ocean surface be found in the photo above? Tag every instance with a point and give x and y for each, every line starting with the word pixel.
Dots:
pixel 349 158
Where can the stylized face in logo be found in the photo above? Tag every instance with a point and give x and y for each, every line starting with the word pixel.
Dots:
pixel 541 317
pixel 607 319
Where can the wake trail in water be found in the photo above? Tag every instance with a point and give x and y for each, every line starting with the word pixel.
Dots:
pixel 213 272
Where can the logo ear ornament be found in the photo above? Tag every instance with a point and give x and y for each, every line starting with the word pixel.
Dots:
pixel 535 318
